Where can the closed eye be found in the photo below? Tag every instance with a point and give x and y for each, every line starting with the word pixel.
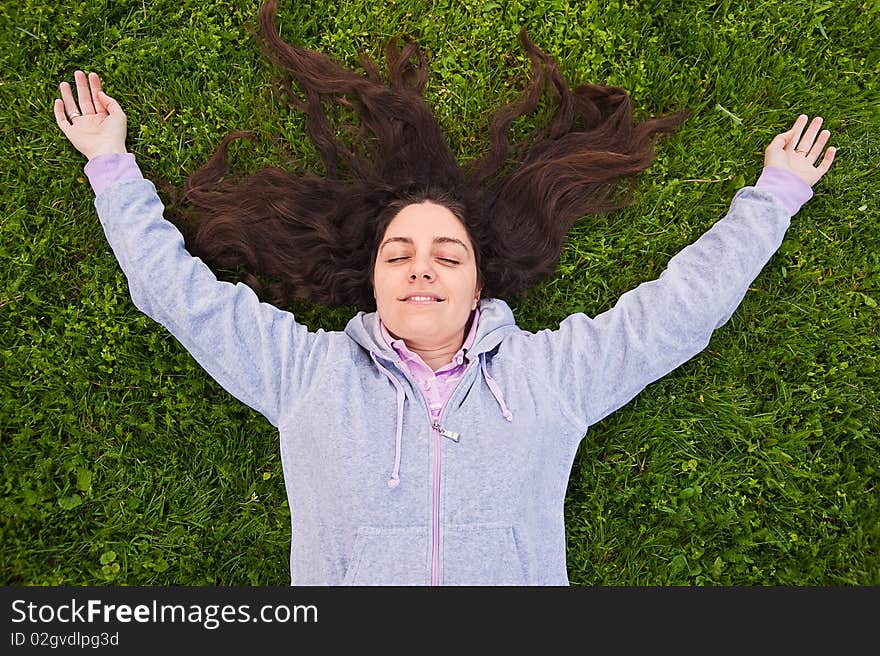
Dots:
pixel 442 259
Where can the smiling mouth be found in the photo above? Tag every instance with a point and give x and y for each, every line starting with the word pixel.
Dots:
pixel 422 300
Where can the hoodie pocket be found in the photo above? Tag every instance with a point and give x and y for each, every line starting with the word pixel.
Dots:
pixel 481 554
pixel 390 556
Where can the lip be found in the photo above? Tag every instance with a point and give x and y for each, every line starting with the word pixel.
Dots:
pixel 426 294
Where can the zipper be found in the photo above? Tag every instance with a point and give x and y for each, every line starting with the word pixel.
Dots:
pixel 435 547
pixel 435 510
pixel 452 435
pixel 436 431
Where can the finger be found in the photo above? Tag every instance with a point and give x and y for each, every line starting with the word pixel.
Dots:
pixel 794 134
pixel 112 106
pixel 806 142
pixel 95 84
pixel 67 96
pixel 60 116
pixel 816 150
pixel 83 94
pixel 825 164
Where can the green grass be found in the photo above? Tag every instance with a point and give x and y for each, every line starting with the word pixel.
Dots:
pixel 754 463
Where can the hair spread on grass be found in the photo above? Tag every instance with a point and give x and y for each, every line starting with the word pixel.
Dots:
pixel 314 237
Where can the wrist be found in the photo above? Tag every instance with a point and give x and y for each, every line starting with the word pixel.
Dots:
pixel 106 151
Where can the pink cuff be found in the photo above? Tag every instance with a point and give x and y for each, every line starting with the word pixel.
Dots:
pixel 786 186
pixel 106 170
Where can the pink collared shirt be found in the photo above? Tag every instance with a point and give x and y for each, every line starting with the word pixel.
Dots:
pixel 436 386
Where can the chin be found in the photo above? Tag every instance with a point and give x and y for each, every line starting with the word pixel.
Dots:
pixel 420 328
pixel 421 325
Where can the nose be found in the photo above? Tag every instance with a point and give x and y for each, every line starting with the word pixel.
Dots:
pixel 421 268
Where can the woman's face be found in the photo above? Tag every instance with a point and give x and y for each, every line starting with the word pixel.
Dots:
pixel 425 252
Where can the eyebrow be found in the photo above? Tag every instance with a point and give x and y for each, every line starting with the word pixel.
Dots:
pixel 437 240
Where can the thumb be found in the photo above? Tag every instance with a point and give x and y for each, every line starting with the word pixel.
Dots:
pixel 111 105
pixel 779 140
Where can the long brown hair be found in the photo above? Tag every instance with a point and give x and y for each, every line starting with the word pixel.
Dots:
pixel 313 237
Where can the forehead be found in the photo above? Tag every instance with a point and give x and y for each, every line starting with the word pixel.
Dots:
pixel 428 220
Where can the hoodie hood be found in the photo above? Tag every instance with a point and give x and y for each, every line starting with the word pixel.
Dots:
pixel 495 323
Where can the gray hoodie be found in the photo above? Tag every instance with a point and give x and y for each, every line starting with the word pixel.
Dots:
pixel 478 496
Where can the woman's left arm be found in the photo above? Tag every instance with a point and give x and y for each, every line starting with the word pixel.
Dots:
pixel 797 153
pixel 601 363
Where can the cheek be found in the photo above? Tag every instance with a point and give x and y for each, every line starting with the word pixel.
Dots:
pixel 377 282
pixel 471 283
pixel 383 289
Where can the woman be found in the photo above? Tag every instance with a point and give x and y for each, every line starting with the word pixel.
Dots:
pixel 431 441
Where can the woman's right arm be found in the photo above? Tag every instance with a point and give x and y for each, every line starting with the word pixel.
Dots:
pixel 253 350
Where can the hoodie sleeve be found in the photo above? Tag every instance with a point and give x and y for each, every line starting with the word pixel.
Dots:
pixel 601 363
pixel 252 349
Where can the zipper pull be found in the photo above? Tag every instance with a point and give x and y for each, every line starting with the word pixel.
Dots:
pixel 452 435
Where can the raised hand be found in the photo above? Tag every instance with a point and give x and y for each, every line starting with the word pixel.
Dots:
pixel 796 153
pixel 97 125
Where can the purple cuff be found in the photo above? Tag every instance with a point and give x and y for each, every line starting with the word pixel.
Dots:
pixel 786 186
pixel 106 170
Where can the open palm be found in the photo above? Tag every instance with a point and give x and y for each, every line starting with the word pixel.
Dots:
pixel 793 152
pixel 97 125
